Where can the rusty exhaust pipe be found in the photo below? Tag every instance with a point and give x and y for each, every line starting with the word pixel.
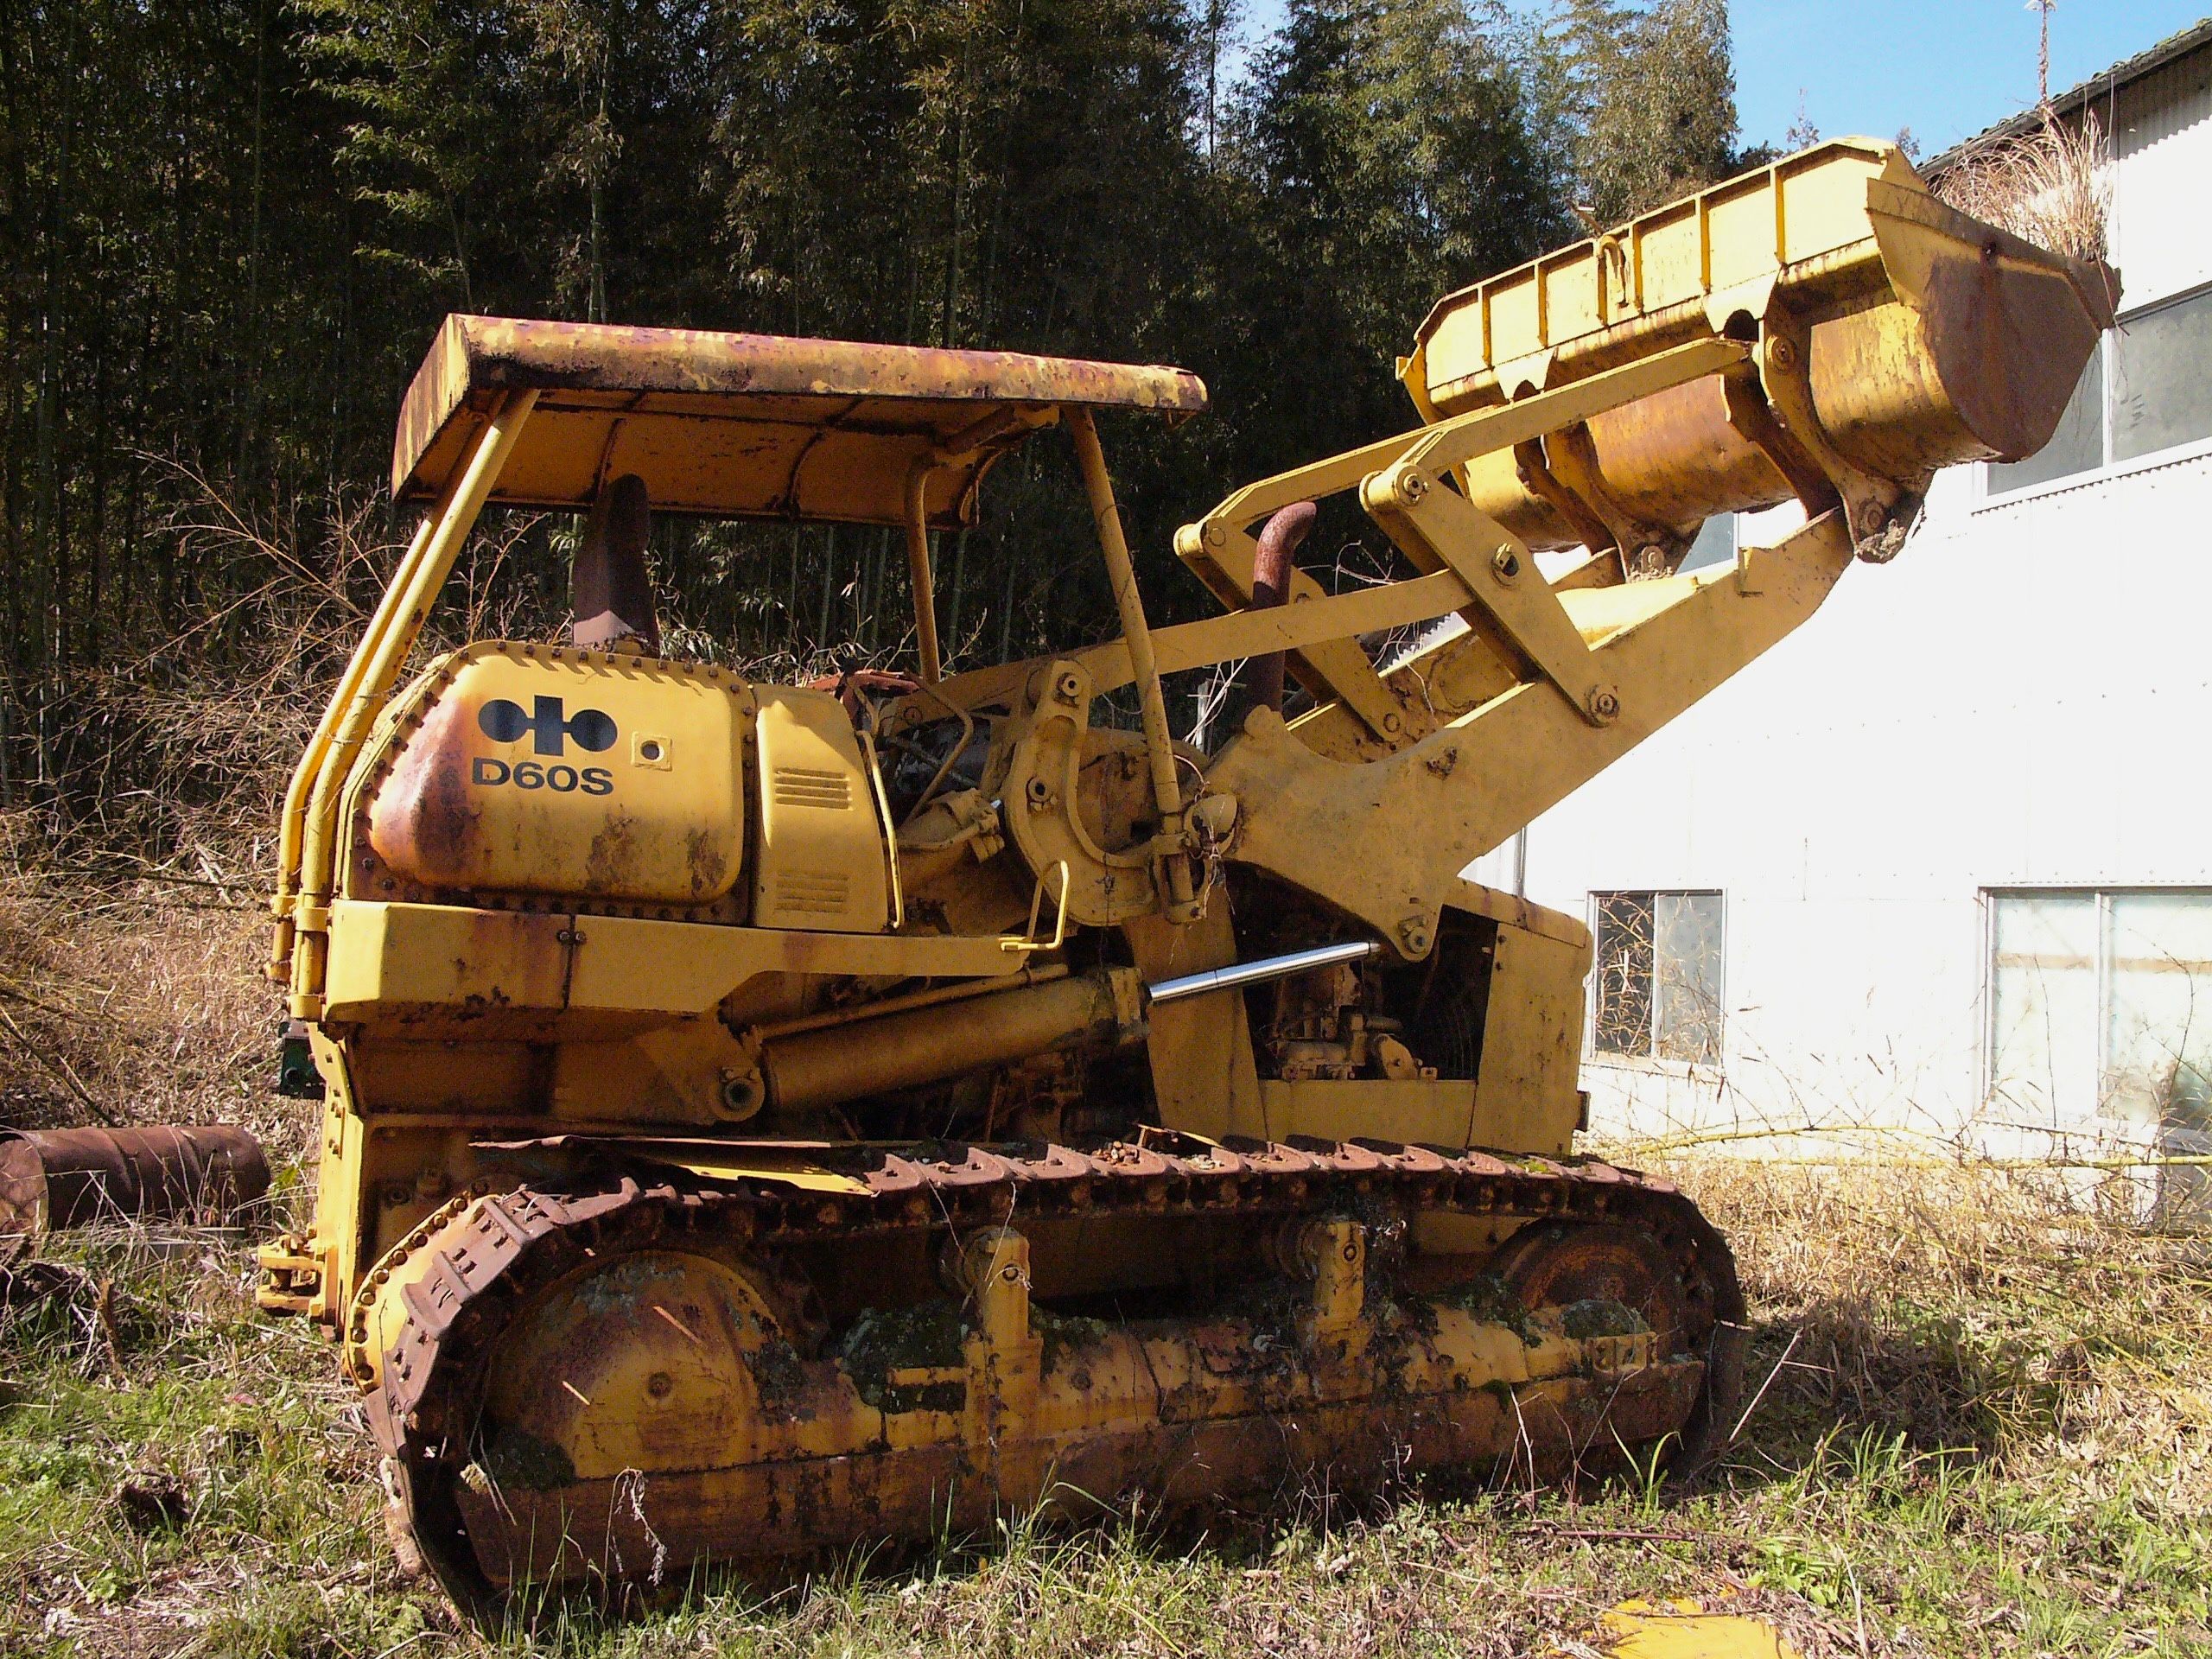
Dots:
pixel 1279 542
pixel 71 1178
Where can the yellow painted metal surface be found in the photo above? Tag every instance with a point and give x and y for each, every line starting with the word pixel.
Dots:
pixel 822 865
pixel 1518 912
pixel 1203 1078
pixel 1437 1112
pixel 1704 258
pixel 1282 627
pixel 389 959
pixel 1930 338
pixel 876 1053
pixel 1171 858
pixel 1075 797
pixel 1684 1629
pixel 644 966
pixel 520 768
pixel 1498 765
pixel 419 956
pixel 673 1071
pixel 1527 1098
pixel 745 425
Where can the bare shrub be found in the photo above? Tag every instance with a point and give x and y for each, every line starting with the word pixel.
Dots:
pixel 134 884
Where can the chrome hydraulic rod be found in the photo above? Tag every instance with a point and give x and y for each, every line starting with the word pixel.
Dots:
pixel 1262 969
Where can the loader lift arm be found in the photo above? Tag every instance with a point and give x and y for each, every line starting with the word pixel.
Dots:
pixel 1593 670
pixel 1822 329
pixel 1837 335
pixel 1606 666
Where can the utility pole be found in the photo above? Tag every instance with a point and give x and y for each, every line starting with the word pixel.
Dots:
pixel 2043 9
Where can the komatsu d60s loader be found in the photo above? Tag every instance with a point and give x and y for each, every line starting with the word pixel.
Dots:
pixel 762 1118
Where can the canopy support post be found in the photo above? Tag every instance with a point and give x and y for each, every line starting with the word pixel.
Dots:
pixel 368 683
pixel 918 568
pixel 1160 747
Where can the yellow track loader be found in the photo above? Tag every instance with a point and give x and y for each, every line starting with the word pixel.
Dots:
pixel 761 1118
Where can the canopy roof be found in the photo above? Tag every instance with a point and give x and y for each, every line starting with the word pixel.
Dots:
pixel 745 425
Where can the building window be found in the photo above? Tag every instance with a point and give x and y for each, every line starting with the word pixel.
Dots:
pixel 2147 389
pixel 2077 445
pixel 2101 1005
pixel 1657 982
pixel 2159 388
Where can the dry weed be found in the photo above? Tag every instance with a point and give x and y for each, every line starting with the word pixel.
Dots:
pixel 136 1004
pixel 1984 1435
pixel 2007 1312
pixel 2050 186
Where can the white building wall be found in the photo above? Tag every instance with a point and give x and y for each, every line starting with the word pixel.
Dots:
pixel 2157 129
pixel 2023 698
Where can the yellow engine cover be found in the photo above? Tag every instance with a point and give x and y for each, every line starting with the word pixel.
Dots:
pixel 542 769
pixel 823 866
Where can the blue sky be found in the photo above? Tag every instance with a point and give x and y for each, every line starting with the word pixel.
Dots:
pixel 1946 68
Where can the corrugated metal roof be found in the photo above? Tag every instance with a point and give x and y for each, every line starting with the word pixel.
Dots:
pixel 2170 100
pixel 2101 85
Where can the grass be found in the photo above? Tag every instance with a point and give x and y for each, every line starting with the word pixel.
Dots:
pixel 1987 1428
pixel 1985 1423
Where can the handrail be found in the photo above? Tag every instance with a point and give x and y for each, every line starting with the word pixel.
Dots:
pixel 291 828
pixel 1029 941
pixel 883 795
pixel 377 662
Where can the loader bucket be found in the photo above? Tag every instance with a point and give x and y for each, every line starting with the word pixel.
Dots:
pixel 1930 338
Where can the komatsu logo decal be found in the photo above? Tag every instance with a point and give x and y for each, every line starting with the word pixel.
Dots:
pixel 548 725
pixel 551 728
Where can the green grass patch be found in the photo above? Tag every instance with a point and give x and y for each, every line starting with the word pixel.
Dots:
pixel 1985 1428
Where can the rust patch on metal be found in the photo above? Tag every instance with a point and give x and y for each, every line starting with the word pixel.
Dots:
pixel 74 1177
pixel 423 820
pixel 607 868
pixel 510 355
pixel 1557 1264
pixel 707 856
pixel 744 424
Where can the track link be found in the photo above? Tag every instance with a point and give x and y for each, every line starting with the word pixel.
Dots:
pixel 483 1255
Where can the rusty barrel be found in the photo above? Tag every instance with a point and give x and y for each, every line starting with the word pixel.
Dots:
pixel 74 1178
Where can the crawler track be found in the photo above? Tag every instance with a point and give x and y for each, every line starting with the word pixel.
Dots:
pixel 484 1255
